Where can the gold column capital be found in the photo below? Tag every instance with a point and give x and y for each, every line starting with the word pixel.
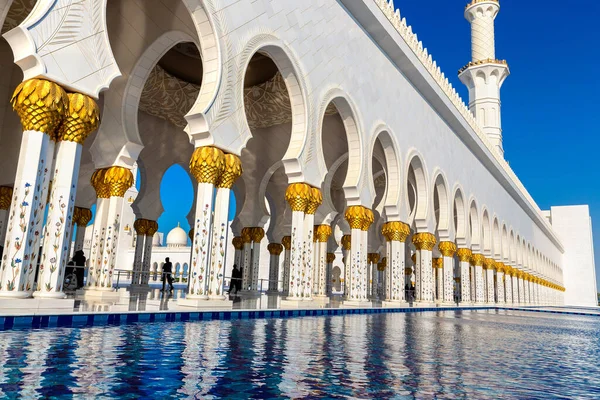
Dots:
pixel 407 271
pixel 314 201
pixel 118 180
pixel 355 215
pixel 477 259
pixel 247 235
pixel 275 249
pixel 464 254
pixel 395 231
pixel 373 258
pixel 85 216
pixel 382 264
pixel 298 195
pixel 191 234
pixel 489 263
pixel 346 242
pixel 232 170
pixel 207 164
pixel 286 241
pixel 500 267
pixel 83 117
pixel 76 215
pixel 152 228
pixel 413 258
pixel 257 234
pixel 368 219
pixel 438 262
pixel 97 181
pixel 141 226
pixel 322 233
pixel 424 241
pixel 6 193
pixel 238 242
pixel 330 258
pixel 447 249
pixel 41 105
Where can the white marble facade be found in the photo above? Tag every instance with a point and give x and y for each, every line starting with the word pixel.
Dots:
pixel 297 94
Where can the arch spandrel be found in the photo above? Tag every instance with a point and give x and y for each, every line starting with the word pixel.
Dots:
pixel 66 42
pixel 459 216
pixel 392 201
pixel 356 190
pixel 445 230
pixel 420 216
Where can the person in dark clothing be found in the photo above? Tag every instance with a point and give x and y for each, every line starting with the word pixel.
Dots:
pixel 236 279
pixel 79 260
pixel 166 274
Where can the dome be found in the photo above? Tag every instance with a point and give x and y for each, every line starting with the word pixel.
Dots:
pixel 156 240
pixel 177 237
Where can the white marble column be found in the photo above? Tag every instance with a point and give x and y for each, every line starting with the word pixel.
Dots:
pixel 500 283
pixel 464 257
pixel 286 241
pixel 448 249
pixel 297 195
pixel 359 218
pixel 372 278
pixel 238 245
pixel 489 266
pixel 207 164
pixel 232 170
pixel 147 257
pixel 257 235
pixel 424 243
pixel 328 282
pixel 526 290
pixel 395 233
pixel 246 258
pixel 314 201
pixel 346 243
pixel 438 273
pixel 477 263
pixel 322 233
pixel 516 288
pixel 140 226
pixel 275 250
pixel 41 106
pixel 85 216
pixel 81 120
pixel 110 184
pixel 5 200
pixel 508 284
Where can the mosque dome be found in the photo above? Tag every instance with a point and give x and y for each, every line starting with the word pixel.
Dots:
pixel 156 240
pixel 177 237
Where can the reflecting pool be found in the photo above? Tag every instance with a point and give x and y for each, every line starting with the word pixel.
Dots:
pixel 462 354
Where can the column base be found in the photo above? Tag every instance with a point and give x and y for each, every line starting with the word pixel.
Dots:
pixel 295 303
pixel 15 295
pixel 49 295
pixel 356 304
pixel 32 304
pixel 394 304
pixel 250 293
pixel 424 304
pixel 206 304
pixel 112 295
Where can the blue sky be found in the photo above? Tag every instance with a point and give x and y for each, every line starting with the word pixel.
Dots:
pixel 550 103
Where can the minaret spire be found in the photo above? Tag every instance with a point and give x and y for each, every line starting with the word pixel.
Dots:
pixel 485 74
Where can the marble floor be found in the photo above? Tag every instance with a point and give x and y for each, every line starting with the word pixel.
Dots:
pixel 125 300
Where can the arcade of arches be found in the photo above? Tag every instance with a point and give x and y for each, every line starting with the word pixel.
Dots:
pixel 443 248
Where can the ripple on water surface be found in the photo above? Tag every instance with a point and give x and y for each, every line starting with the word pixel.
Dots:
pixel 474 354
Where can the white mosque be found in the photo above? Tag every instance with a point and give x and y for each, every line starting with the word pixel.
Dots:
pixel 350 154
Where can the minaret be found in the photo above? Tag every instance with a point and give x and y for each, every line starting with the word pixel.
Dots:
pixel 485 74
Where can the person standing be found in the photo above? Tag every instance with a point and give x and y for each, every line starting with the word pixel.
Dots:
pixel 167 269
pixel 79 261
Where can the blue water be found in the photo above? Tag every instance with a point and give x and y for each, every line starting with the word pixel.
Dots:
pixel 471 354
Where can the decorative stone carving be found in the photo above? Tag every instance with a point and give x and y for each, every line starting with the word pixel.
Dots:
pixel 66 42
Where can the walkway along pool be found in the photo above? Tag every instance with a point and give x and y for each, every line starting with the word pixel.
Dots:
pixel 467 353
